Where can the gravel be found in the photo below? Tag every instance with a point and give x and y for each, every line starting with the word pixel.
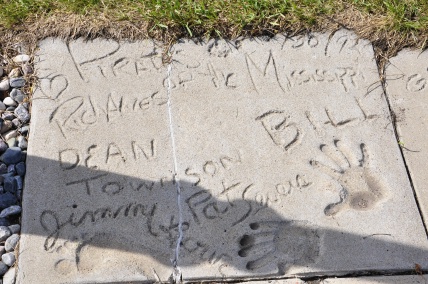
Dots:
pixel 14 129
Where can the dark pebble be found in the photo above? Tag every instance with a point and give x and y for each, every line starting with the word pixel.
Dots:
pixel 19 183
pixel 7 125
pixel 13 155
pixel 20 168
pixel 3 169
pixel 7 199
pixel 4 222
pixel 3 268
pixel 24 156
pixel 10 185
pixel 6 175
pixel 11 108
pixel 11 169
pixel 19 194
pixel 12 210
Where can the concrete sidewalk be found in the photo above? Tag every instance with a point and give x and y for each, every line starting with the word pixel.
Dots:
pixel 246 160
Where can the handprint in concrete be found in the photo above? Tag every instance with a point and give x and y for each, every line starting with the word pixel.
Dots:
pixel 361 187
pixel 280 243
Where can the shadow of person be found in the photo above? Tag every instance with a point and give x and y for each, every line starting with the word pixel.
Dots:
pixel 87 225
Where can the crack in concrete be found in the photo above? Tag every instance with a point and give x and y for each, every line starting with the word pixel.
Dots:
pixel 176 276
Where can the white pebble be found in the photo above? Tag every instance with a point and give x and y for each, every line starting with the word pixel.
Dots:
pixel 4 85
pixel 22 58
pixel 9 101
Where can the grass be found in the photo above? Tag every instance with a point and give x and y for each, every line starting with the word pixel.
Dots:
pixel 389 24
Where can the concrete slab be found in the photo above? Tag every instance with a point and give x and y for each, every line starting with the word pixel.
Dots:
pixel 406 86
pixel 279 148
pixel 99 180
pixel 283 143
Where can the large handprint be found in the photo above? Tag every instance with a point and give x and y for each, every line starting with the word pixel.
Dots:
pixel 361 188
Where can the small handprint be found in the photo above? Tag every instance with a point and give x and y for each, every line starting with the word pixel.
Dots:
pixel 361 188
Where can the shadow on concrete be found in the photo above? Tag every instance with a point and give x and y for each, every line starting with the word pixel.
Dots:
pixel 88 218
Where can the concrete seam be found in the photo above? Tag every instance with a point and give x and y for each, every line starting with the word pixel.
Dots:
pixel 177 270
pixel 316 278
pixel 382 78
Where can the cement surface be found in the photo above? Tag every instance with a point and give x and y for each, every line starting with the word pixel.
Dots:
pixel 100 167
pixel 407 88
pixel 287 140
pixel 278 148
